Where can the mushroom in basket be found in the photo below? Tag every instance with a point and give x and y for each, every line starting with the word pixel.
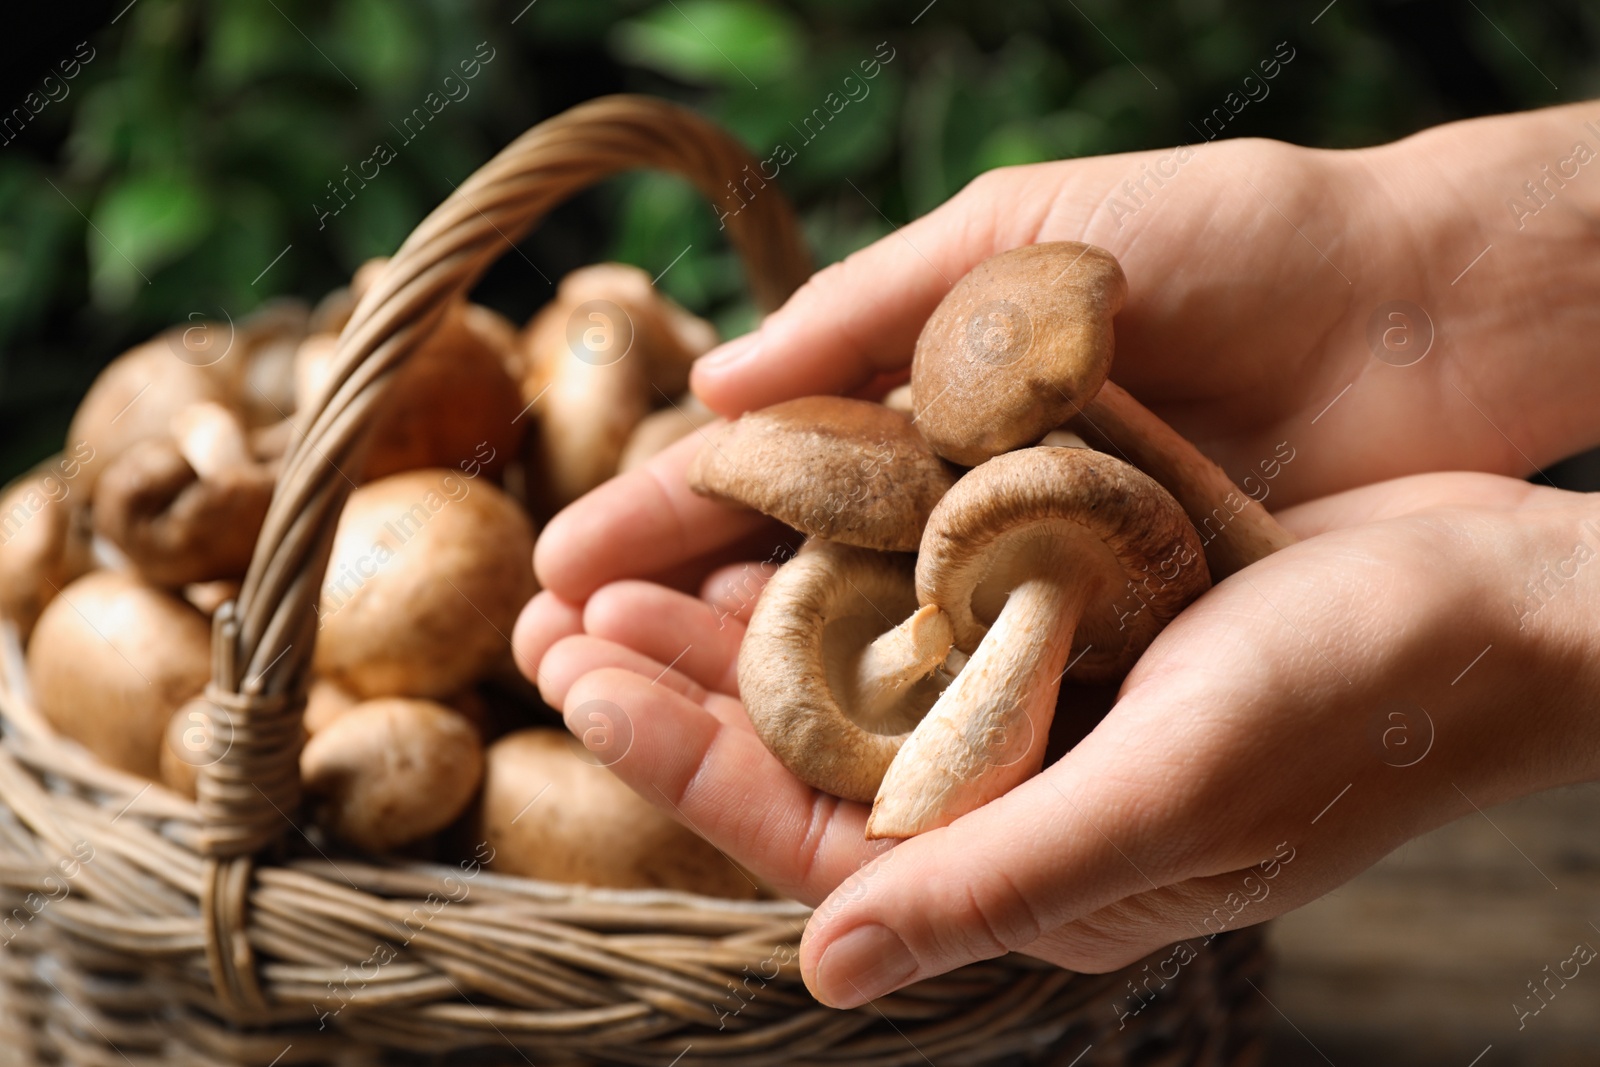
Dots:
pixel 453 400
pixel 187 507
pixel 599 357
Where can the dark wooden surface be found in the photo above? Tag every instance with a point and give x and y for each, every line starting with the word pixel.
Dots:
pixel 1421 959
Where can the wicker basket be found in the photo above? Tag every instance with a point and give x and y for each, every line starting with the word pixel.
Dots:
pixel 140 928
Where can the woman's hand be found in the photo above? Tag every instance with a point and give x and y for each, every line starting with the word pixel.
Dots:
pixel 1256 270
pixel 1294 725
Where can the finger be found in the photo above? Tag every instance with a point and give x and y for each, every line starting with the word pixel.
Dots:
pixel 573 657
pixel 544 620
pixel 1179 922
pixel 732 591
pixel 1054 849
pixel 722 783
pixel 1126 811
pixel 670 627
pixel 860 317
pixel 637 524
pixel 771 540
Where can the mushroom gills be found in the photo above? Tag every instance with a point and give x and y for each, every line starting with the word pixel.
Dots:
pixel 828 696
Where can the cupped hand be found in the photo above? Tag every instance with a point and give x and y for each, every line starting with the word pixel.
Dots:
pixel 1291 727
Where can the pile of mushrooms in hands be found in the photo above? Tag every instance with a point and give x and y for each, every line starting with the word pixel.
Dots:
pixel 926 685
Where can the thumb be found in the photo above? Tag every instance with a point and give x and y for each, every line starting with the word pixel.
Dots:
pixel 995 881
pixel 860 316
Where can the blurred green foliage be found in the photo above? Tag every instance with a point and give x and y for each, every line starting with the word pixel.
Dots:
pixel 195 146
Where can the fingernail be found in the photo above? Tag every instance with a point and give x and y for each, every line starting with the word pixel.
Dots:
pixel 862 965
pixel 734 351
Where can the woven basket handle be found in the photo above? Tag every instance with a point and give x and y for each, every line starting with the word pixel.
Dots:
pixel 262 644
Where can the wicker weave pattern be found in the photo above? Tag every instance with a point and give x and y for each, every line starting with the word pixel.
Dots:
pixel 216 932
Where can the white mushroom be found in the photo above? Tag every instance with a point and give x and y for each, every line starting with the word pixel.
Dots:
pixel 428 572
pixel 600 356
pixel 389 772
pixel 111 659
pixel 548 813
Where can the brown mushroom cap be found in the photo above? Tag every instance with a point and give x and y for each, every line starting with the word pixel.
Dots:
pixel 451 403
pixel 174 527
pixel 1015 348
pixel 1108 513
pixel 428 572
pixel 550 814
pixel 44 544
pixel 392 771
pixel 137 394
pixel 599 357
pixel 111 659
pixel 844 470
pixel 799 666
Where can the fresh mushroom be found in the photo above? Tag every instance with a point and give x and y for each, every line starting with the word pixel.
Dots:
pixel 44 543
pixel 187 508
pixel 450 404
pixel 1023 344
pixel 392 771
pixel 845 470
pixel 600 356
pixel 832 686
pixel 548 813
pixel 1032 555
pixel 135 396
pixel 111 659
pixel 428 572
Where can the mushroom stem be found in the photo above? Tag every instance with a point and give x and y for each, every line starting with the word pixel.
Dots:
pixel 211 438
pixel 897 658
pixel 1234 537
pixel 987 732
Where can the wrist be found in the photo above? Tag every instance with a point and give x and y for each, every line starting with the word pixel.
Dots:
pixel 1502 217
pixel 1545 687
